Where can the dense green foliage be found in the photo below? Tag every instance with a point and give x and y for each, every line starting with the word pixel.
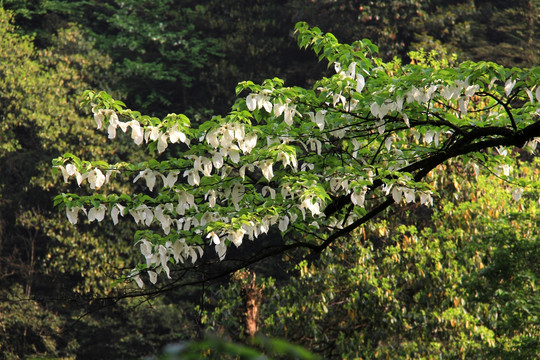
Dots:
pixel 460 285
pixel 41 257
pixel 187 56
pixel 456 280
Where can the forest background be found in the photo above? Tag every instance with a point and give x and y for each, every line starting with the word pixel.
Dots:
pixel 465 285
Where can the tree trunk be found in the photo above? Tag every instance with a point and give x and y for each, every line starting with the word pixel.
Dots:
pixel 251 298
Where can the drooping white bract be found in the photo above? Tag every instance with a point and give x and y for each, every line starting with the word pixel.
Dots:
pixel 72 213
pixel 236 236
pixel 95 178
pixel 137 134
pixel 117 209
pixel 99 117
pixel 149 176
pixel 359 197
pixel 97 213
pixel 266 168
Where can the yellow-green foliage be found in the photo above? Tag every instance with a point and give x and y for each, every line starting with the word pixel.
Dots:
pixel 40 119
pixel 459 285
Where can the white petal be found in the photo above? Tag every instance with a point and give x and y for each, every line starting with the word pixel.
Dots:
pixel 164 259
pixel 221 250
pixel 319 119
pixel 99 118
pixel 96 213
pixel 176 135
pixel 171 179
pixel 358 198
pixel 113 117
pixel 267 106
pixel 463 105
pixel 234 154
pixel 376 110
pixel 214 237
pixel 162 143
pixel 288 117
pixel 381 126
pixel 509 85
pixel 236 236
pixel 212 138
pixel 139 281
pixel 112 130
pixel 217 159
pixel 516 194
pixel 136 132
pixel 470 90
pixel 64 173
pixel 360 82
pixel 99 179
pixel 406 120
pixel 268 190
pixel 279 109
pixel 396 194
pixel 266 168
pixel 409 195
pixel 177 249
pixel 251 102
pixel 146 248
pixel 388 142
pixel 123 125
pixel 135 216
pixel 426 199
pixel 283 223
pixel 150 177
pixel 530 95
pixel 351 71
pixel 71 169
pixel 72 214
pixel 151 133
pixel 114 214
pixel 153 276
pixel 428 138
pixel 249 143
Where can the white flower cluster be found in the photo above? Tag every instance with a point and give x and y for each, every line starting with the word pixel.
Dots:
pixel 157 257
pixel 261 100
pixel 95 177
pixel 230 139
pixel 401 192
pixel 139 134
pixel 351 73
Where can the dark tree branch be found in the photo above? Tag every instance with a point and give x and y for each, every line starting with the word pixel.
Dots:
pixel 208 270
pixel 497 136
pixel 504 105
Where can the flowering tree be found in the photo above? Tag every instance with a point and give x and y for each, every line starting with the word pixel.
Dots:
pixel 315 163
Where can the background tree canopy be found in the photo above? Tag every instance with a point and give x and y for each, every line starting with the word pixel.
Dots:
pixel 454 279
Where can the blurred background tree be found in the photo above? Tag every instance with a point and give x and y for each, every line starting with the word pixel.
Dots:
pixel 187 57
pixel 462 285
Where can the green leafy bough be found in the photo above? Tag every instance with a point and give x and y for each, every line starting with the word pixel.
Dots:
pixel 315 163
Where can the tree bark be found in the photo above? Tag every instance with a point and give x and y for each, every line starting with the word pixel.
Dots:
pixel 251 298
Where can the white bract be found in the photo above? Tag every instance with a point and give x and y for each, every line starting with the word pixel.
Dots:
pixel 97 213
